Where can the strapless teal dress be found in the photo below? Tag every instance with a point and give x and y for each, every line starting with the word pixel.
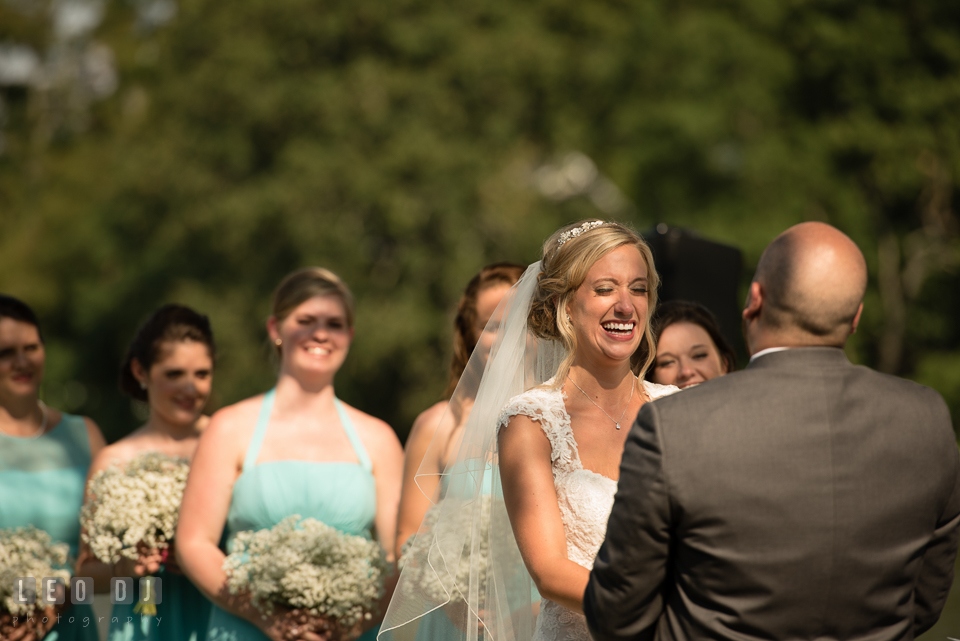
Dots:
pixel 41 484
pixel 342 495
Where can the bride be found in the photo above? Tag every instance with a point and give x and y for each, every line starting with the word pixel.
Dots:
pixel 533 482
pixel 560 443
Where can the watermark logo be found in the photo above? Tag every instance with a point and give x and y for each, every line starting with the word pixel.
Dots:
pixel 81 590
pixel 53 590
pixel 151 590
pixel 121 590
pixel 148 593
pixel 25 590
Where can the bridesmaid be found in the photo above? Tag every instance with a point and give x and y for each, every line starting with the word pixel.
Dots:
pixel 295 450
pixel 169 365
pixel 480 298
pixel 435 432
pixel 44 453
pixel 690 347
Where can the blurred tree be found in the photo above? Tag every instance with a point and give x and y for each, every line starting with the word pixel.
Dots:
pixel 405 143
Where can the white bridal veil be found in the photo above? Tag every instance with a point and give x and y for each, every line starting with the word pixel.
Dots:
pixel 462 577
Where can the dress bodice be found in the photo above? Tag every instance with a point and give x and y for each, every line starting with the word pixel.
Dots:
pixel 341 494
pixel 42 480
pixel 585 497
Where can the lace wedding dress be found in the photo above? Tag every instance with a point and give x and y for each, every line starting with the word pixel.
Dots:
pixel 585 497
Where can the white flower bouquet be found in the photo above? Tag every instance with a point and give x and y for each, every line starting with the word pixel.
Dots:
pixel 432 578
pixel 136 504
pixel 309 565
pixel 28 552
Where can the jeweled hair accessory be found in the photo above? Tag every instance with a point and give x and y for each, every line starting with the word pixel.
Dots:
pixel 570 234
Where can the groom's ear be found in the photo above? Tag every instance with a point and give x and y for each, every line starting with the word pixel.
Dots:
pixel 856 319
pixel 751 309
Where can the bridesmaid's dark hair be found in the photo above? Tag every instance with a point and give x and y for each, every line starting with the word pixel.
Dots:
pixel 169 324
pixel 464 334
pixel 17 310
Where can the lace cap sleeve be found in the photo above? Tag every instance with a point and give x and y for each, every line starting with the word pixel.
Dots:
pixel 544 405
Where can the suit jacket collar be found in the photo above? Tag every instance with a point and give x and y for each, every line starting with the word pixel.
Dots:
pixel 802 357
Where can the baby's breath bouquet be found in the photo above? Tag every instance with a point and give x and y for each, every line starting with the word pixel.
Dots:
pixel 138 503
pixel 28 552
pixel 309 565
pixel 431 579
pixel 134 506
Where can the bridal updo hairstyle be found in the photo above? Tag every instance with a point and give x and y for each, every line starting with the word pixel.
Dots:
pixel 169 324
pixel 563 270
pixel 464 335
pixel 306 283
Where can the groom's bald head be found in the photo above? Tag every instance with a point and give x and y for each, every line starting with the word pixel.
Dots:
pixel 812 278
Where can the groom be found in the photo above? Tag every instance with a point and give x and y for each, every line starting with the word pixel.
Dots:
pixel 802 498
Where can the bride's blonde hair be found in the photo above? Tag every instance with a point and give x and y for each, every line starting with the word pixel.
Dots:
pixel 564 266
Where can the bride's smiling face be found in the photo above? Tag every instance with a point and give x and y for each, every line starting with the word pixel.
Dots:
pixel 609 310
pixel 315 337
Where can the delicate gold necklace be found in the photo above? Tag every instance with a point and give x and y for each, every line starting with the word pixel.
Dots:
pixel 617 421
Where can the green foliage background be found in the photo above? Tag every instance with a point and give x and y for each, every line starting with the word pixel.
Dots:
pixel 394 141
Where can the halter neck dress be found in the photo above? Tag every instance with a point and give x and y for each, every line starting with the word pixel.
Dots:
pixel 341 494
pixel 42 481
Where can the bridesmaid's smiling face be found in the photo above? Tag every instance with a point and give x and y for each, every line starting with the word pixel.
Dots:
pixel 686 355
pixel 178 383
pixel 21 359
pixel 315 337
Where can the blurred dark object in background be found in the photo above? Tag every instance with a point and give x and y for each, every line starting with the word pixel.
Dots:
pixel 700 270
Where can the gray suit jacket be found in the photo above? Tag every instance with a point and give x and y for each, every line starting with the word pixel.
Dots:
pixel 801 498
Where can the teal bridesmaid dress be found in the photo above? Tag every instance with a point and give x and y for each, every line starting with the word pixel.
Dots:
pixel 340 494
pixel 42 483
